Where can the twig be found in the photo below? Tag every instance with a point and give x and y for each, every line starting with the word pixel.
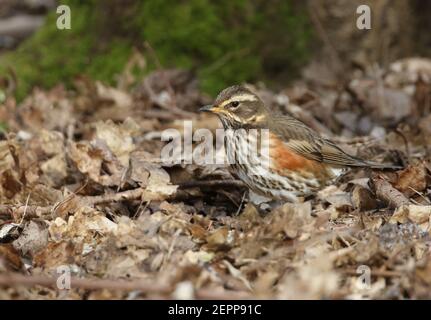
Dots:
pixel 229 196
pixel 16 279
pixel 25 209
pixel 145 286
pixel 31 211
pixel 45 212
pixel 212 183
pixel 385 192
pixel 240 205
pixel 135 215
pixel 420 194
pixel 406 143
pixel 134 194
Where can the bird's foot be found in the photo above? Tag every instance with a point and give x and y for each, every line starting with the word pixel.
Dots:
pixel 267 207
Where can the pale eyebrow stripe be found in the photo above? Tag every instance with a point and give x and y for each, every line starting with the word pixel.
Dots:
pixel 240 97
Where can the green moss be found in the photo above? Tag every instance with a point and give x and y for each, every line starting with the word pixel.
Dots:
pixel 226 42
pixel 45 58
pixel 51 55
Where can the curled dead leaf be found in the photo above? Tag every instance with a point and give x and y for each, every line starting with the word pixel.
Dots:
pixel 412 179
pixel 220 239
pixel 363 199
pixel 414 213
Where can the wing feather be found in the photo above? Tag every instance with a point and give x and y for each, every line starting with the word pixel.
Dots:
pixel 304 141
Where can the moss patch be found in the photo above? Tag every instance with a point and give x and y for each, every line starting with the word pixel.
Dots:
pixel 226 42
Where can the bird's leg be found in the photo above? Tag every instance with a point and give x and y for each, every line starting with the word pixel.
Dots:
pixel 263 204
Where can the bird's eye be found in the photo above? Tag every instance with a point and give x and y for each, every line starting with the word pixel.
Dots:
pixel 234 104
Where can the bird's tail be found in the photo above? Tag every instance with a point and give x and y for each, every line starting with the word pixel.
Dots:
pixel 386 166
pixel 358 162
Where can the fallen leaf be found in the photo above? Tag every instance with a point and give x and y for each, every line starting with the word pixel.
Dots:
pixel 414 213
pixel 363 199
pixel 412 179
pixel 33 238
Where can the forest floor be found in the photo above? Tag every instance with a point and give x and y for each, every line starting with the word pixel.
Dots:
pixel 83 192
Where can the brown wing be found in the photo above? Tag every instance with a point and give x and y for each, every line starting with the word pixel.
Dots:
pixel 304 141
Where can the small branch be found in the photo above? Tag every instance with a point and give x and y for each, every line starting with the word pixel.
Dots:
pixel 387 193
pixel 46 212
pixel 212 183
pixel 144 286
pixel 134 194
pixel 16 279
pixel 18 211
pixel 406 143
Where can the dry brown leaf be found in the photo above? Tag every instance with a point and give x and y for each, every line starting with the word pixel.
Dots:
pixel 412 179
pixel 219 239
pixel 119 138
pixel 413 213
pixel 292 219
pixel 10 259
pixel 56 254
pixel 363 199
pixel 63 157
pixel 33 238
pixel 121 98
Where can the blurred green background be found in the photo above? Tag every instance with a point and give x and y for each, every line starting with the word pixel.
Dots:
pixel 224 42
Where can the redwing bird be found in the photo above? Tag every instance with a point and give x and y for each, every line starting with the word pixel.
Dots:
pixel 300 160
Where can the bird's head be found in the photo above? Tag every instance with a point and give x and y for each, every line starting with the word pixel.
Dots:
pixel 237 106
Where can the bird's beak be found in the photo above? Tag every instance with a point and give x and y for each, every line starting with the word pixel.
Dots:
pixel 208 108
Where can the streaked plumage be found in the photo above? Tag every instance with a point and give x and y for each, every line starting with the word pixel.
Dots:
pixel 300 160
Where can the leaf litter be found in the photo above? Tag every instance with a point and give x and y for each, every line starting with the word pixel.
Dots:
pixel 82 186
